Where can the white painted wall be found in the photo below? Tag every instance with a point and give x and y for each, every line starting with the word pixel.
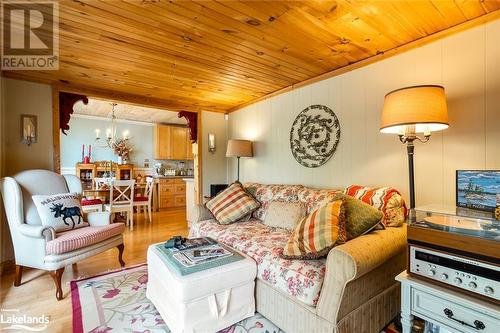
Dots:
pixel 82 131
pixel 466 64
pixel 214 164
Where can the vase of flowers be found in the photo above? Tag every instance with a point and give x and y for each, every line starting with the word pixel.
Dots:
pixel 122 149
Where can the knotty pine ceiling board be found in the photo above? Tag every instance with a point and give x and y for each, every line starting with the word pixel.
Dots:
pixel 216 55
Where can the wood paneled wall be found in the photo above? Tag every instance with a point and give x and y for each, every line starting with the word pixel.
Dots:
pixel 466 64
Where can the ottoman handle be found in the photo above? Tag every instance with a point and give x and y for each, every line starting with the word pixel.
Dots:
pixel 215 308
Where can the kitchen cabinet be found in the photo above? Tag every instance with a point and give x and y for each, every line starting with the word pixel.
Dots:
pixel 171 192
pixel 172 143
pixel 162 142
pixel 179 142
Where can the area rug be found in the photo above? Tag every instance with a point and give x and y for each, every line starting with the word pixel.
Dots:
pixel 116 302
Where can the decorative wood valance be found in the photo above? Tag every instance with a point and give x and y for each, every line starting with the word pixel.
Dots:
pixel 192 119
pixel 66 103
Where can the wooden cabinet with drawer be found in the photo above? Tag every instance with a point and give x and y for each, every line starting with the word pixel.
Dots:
pixel 180 200
pixel 180 189
pixel 166 202
pixel 171 192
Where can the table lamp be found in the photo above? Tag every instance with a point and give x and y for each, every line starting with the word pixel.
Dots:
pixel 239 148
pixel 412 111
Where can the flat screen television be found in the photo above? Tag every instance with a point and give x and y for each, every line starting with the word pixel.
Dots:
pixel 477 189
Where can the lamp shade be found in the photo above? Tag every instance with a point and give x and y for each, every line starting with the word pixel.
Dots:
pixel 239 148
pixel 423 107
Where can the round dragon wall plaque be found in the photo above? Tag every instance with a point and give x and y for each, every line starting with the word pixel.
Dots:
pixel 314 136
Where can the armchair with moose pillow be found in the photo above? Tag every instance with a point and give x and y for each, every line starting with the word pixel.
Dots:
pixel 47 227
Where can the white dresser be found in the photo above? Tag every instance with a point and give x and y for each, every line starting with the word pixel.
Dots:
pixel 450 310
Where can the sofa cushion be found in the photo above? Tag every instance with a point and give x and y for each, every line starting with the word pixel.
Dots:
pixel 265 194
pixel 386 199
pixel 316 198
pixel 283 214
pixel 317 233
pixel 60 211
pixel 360 216
pixel 301 279
pixel 76 239
pixel 232 204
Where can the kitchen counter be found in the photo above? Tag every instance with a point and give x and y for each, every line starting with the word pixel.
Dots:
pixel 173 177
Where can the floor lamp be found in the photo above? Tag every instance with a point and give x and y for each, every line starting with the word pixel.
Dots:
pixel 413 113
pixel 239 148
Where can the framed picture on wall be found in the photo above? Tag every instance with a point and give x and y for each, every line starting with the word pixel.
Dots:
pixel 29 130
pixel 477 189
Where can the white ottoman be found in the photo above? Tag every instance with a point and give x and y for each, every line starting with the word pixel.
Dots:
pixel 205 301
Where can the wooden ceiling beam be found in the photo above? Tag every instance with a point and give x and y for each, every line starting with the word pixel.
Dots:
pixel 117 96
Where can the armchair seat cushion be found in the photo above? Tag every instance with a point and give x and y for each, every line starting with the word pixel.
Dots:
pixel 82 237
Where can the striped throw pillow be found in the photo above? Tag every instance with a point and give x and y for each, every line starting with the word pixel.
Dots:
pixel 386 199
pixel 232 204
pixel 317 233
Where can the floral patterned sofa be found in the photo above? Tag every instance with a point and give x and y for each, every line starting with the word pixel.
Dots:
pixel 352 290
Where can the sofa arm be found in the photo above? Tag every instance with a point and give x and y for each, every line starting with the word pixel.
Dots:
pixel 37 231
pixel 201 213
pixel 98 219
pixel 352 260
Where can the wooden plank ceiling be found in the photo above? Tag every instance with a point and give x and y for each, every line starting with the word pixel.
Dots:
pixel 216 55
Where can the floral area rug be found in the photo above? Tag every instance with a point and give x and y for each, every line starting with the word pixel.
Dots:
pixel 116 302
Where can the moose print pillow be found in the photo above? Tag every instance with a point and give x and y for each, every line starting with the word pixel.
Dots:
pixel 60 211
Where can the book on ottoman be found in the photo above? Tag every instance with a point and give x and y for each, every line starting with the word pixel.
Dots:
pixel 204 301
pixel 184 261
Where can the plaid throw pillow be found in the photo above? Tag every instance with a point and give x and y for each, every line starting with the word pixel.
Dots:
pixel 232 204
pixel 317 233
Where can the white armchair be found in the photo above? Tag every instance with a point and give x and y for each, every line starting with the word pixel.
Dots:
pixel 41 247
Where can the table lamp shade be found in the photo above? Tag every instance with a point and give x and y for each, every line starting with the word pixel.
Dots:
pixel 423 107
pixel 239 148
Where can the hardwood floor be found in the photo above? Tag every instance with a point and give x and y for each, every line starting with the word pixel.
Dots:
pixel 36 295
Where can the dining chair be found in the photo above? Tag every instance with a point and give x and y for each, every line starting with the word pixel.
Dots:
pixel 91 205
pixel 100 181
pixel 121 199
pixel 144 201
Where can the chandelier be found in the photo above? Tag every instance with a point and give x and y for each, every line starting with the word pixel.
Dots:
pixel 111 140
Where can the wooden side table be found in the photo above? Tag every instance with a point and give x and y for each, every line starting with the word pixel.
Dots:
pixel 450 310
